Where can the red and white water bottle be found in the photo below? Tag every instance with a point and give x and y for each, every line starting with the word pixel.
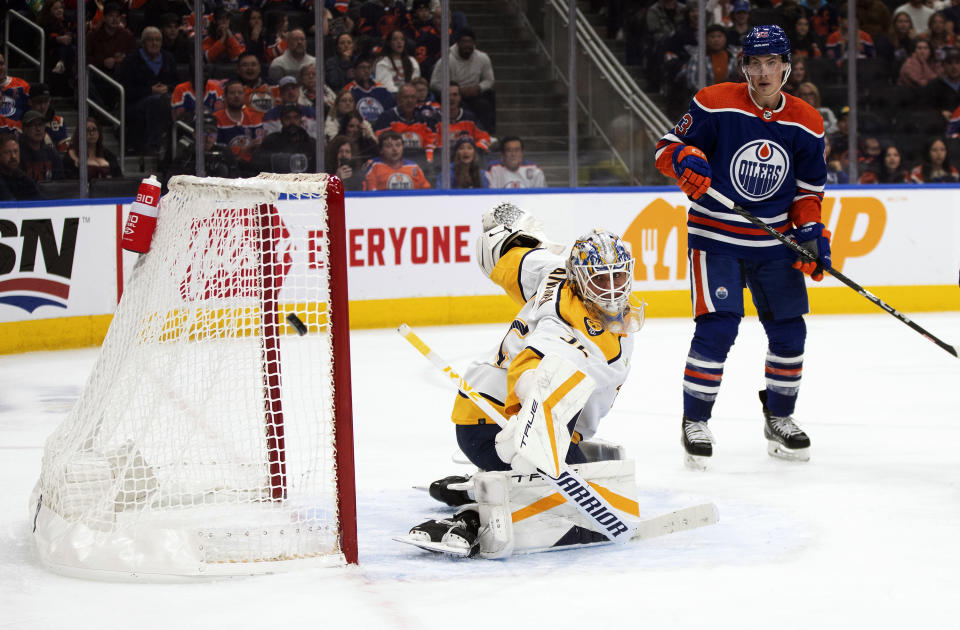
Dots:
pixel 142 219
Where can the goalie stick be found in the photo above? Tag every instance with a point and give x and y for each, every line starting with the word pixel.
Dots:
pixel 803 253
pixel 570 484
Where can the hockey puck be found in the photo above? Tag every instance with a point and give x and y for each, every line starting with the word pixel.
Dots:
pixel 297 324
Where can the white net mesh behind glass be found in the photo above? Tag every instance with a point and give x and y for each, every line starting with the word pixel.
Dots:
pixel 204 441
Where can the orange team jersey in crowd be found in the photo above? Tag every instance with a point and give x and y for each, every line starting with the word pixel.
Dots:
pixel 380 176
pixel 276 49
pixel 184 100
pixel 240 135
pixel 262 98
pixel 216 50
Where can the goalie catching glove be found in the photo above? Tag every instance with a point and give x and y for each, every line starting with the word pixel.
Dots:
pixel 692 170
pixel 506 226
pixel 814 238
pixel 537 437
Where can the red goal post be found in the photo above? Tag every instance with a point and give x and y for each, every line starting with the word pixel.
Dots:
pixel 212 438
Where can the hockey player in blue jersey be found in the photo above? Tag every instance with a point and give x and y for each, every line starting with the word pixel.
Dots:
pixel 764 150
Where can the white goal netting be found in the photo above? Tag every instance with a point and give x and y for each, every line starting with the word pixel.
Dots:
pixel 205 440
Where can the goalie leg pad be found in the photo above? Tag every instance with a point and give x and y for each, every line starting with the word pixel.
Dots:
pixel 525 514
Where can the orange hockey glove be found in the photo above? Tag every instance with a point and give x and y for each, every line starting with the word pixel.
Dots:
pixel 814 238
pixel 692 170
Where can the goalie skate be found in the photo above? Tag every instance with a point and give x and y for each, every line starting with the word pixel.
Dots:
pixel 456 536
pixel 785 440
pixel 697 443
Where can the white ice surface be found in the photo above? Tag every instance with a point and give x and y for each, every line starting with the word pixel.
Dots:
pixel 865 535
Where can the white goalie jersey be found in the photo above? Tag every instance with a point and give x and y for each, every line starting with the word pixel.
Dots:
pixel 553 320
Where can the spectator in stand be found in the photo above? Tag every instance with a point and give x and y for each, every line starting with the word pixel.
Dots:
pixel 218 159
pixel 343 105
pixel 892 170
pixel 839 139
pixel 15 185
pixel 15 94
pixel 38 159
pixel 372 98
pixel 941 40
pixel 56 130
pixel 419 139
pixel 425 34
pixel 290 62
pixel 338 69
pixel 396 66
pixel 798 75
pixel 944 92
pixel 379 17
pixel 61 48
pixel 902 36
pixel 720 12
pixel 149 76
pixel 918 11
pixel 289 150
pixel 874 17
pixel 361 136
pixel 220 44
pixel 253 34
pixel 721 61
pixel 836 173
pixel 869 159
pixel 290 95
pixel 836 46
pixel 339 161
pixel 935 166
pixel 741 23
pixel 308 87
pixel 463 123
pixel 259 95
pixel 512 171
pixel 465 171
pixel 239 126
pixel 822 15
pixel 391 171
pixel 920 68
pixel 183 103
pixel 804 42
pixel 175 40
pixel 108 44
pixel 472 70
pixel 101 161
pixel 664 17
pixel 275 42
pixel 426 101
pixel 811 94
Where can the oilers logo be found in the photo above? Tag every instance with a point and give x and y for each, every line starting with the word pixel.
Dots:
pixel 8 106
pixel 758 169
pixel 399 181
pixel 411 140
pixel 369 107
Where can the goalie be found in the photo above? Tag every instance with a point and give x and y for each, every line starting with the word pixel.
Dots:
pixel 563 360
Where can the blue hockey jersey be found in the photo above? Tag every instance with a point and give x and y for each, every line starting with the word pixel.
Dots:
pixel 768 161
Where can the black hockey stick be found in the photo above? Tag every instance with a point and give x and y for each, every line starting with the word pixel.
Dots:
pixel 800 251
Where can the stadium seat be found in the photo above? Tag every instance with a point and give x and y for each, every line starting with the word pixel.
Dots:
pixel 114 187
pixel 59 189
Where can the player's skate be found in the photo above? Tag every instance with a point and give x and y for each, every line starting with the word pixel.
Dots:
pixel 457 535
pixel 452 490
pixel 785 439
pixel 697 443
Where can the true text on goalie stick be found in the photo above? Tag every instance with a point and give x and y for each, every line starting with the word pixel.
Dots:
pixel 570 484
pixel 803 253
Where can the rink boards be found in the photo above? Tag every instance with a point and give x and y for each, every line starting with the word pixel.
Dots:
pixel 411 256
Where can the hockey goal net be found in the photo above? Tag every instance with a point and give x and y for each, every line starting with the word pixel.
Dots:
pixel 214 434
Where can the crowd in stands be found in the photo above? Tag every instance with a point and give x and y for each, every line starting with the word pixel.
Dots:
pixel 378 107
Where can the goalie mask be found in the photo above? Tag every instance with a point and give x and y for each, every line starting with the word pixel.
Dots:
pixel 600 268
